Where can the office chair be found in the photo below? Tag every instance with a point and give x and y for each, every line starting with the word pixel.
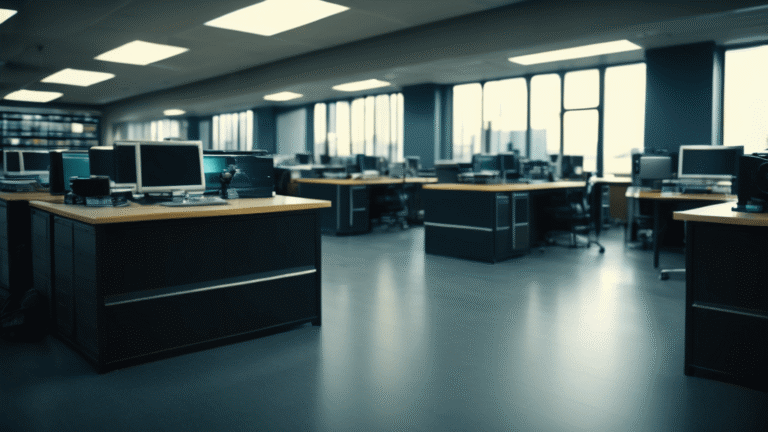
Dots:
pixel 575 215
pixel 390 205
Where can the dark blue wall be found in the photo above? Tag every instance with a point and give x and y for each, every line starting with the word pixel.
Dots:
pixel 266 129
pixel 680 96
pixel 420 125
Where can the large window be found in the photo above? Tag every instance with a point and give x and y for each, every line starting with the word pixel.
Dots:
pixel 467 121
pixel 156 130
pixel 580 119
pixel 371 125
pixel 623 117
pixel 545 116
pixel 745 117
pixel 233 131
pixel 505 115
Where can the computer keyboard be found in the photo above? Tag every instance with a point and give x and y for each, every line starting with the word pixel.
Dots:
pixel 204 201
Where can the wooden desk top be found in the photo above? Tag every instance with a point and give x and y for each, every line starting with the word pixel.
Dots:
pixel 362 182
pixel 506 187
pixel 31 196
pixel 613 180
pixel 676 196
pixel 136 212
pixel 722 214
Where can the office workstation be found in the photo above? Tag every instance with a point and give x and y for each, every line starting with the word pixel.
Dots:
pixel 523 162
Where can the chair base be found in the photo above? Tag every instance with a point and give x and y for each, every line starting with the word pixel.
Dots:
pixel 664 275
pixel 575 244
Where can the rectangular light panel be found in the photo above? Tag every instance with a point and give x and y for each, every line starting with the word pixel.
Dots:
pixel 33 96
pixel 282 96
pixel 5 14
pixel 141 53
pixel 271 17
pixel 361 85
pixel 576 52
pixel 174 112
pixel 77 77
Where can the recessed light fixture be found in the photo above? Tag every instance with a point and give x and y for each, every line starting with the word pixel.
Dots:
pixel 282 96
pixel 271 17
pixel 141 53
pixel 33 96
pixel 361 85
pixel 174 112
pixel 76 77
pixel 576 52
pixel 5 14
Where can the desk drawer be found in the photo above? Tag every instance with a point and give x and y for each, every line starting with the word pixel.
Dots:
pixel 154 325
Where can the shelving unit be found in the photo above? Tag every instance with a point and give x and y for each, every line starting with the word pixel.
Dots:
pixel 29 127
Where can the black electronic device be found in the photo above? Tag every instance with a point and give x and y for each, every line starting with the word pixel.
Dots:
pixel 253 177
pixel 56 174
pixel 303 158
pixel 509 164
pixel 101 161
pixel 413 165
pixel 325 159
pixel 118 163
pixel 714 162
pixel 485 162
pixel 571 167
pixel 447 172
pixel 95 186
pixel 752 188
pixel 367 163
pixel 65 165
pixel 254 152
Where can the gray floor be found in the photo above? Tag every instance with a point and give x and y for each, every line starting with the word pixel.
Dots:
pixel 558 340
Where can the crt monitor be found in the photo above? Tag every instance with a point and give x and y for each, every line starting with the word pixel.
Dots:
pixel 101 161
pixel 117 162
pixel 169 166
pixel 709 161
pixel 36 162
pixel 74 164
pixel 367 163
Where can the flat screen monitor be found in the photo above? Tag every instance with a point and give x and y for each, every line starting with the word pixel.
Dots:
pixel 254 175
pixel 12 162
pixel 303 158
pixel 74 164
pixel 571 166
pixel 124 163
pixel 709 161
pixel 101 161
pixel 169 166
pixel 414 163
pixel 482 162
pixel 36 162
pixel 447 172
pixel 655 168
pixel 367 163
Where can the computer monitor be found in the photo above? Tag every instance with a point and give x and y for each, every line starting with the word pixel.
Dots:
pixel 414 163
pixel 367 163
pixel 117 162
pixel 303 158
pixel 713 162
pixel 12 162
pixel 655 168
pixel 101 161
pixel 484 162
pixel 447 172
pixel 571 166
pixel 74 164
pixel 169 166
pixel 509 164
pixel 254 175
pixel 325 159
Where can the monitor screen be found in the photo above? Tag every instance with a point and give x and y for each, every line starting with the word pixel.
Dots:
pixel 367 163
pixel 655 168
pixel 708 161
pixel 124 165
pixel 74 164
pixel 482 162
pixel 303 158
pixel 36 161
pixel 12 161
pixel 213 165
pixel 414 163
pixel 101 162
pixel 169 166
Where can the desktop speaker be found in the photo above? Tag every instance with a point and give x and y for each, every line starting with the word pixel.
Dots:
pixel 95 186
pixel 56 173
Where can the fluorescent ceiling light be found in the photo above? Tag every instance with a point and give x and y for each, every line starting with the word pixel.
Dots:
pixel 282 96
pixel 174 112
pixel 5 14
pixel 576 52
pixel 33 96
pixel 271 17
pixel 76 77
pixel 361 85
pixel 141 53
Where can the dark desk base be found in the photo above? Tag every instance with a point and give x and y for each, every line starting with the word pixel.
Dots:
pixel 726 319
pixel 128 293
pixel 15 252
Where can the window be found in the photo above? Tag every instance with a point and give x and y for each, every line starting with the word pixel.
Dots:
pixel 505 114
pixel 156 130
pixel 233 131
pixel 545 116
pixel 467 120
pixel 371 125
pixel 582 92
pixel 745 111
pixel 623 117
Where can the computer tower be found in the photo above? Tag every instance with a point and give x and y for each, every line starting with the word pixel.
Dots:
pixel 56 173
pixel 753 181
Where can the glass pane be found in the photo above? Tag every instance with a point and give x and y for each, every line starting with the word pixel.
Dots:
pixel 358 126
pixel 382 142
pixel 623 117
pixel 582 89
pixel 545 116
pixel 249 129
pixel 505 114
pixel 580 137
pixel 467 120
pixel 400 109
pixel 321 129
pixel 745 116
pixel 370 115
pixel 343 146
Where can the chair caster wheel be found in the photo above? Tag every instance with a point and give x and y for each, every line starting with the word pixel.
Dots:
pixel 602 250
pixel 663 276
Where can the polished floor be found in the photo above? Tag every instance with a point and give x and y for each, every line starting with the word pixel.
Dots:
pixel 558 340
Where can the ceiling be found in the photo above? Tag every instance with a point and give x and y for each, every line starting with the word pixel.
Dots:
pixel 406 42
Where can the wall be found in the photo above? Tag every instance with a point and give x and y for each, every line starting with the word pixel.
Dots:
pixel 292 132
pixel 421 123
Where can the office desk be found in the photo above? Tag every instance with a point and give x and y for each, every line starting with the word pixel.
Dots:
pixel 726 316
pixel 485 222
pixel 351 200
pixel 131 284
pixel 15 239
pixel 663 206
pixel 617 201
